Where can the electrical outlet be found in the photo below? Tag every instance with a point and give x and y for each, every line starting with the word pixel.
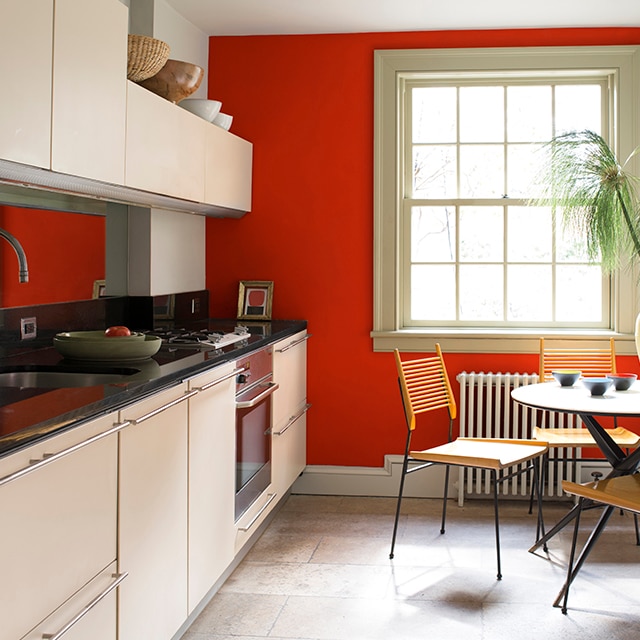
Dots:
pixel 195 305
pixel 28 328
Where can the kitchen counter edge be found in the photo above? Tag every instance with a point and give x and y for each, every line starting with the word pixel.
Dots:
pixel 130 394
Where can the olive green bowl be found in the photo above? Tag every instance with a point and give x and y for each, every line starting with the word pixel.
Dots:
pixel 94 345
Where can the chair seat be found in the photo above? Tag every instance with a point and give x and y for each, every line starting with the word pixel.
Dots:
pixel 582 438
pixel 490 453
pixel 622 492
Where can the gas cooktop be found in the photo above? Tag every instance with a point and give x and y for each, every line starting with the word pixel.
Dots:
pixel 200 338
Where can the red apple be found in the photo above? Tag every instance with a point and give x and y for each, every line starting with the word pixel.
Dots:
pixel 117 331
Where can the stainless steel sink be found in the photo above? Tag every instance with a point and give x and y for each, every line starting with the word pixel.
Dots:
pixel 51 377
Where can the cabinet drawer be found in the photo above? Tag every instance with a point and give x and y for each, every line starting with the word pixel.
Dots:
pixel 90 613
pixel 58 524
pixel 290 372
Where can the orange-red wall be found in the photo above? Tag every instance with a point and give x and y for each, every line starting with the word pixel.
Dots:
pixel 63 259
pixel 306 103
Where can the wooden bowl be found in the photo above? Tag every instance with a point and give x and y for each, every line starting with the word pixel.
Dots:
pixel 176 81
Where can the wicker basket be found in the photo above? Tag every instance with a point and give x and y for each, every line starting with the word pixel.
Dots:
pixel 146 56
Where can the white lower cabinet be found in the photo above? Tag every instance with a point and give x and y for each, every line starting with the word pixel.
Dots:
pixel 152 543
pixel 289 433
pixel 211 479
pixel 58 501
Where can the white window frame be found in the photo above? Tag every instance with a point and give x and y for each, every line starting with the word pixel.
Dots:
pixel 623 67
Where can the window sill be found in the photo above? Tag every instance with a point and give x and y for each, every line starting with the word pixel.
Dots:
pixel 495 340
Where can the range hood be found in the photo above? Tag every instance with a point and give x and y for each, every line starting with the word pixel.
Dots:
pixel 27 186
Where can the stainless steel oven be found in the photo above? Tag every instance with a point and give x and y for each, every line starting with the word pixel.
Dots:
pixel 254 389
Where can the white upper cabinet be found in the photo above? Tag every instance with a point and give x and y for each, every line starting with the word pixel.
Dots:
pixel 165 146
pixel 228 170
pixel 69 108
pixel 89 89
pixel 26 45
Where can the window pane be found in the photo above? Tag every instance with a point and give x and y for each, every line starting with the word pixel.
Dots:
pixel 481 171
pixel 578 107
pixel 481 114
pixel 434 114
pixel 481 292
pixel 522 168
pixel 481 234
pixel 433 234
pixel 529 234
pixel 528 288
pixel 434 172
pixel 529 114
pixel 433 292
pixel 579 293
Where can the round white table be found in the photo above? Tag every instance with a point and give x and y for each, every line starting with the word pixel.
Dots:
pixel 577 399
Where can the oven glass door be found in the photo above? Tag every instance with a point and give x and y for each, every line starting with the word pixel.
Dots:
pixel 253 446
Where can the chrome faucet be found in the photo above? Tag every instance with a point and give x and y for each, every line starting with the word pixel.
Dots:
pixel 23 274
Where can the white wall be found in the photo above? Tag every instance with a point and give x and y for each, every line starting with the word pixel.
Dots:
pixel 188 43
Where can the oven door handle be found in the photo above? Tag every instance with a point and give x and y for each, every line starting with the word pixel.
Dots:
pixel 271 387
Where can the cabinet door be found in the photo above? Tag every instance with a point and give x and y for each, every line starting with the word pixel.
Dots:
pixel 152 542
pixel 89 89
pixel 90 613
pixel 164 146
pixel 58 524
pixel 26 45
pixel 211 479
pixel 228 170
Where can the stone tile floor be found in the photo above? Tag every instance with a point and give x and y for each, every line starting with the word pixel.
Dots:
pixel 321 571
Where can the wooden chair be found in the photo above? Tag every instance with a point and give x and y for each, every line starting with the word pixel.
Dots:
pixel 621 492
pixel 591 362
pixel 424 387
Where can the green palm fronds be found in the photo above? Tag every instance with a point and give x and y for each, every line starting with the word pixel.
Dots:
pixel 584 180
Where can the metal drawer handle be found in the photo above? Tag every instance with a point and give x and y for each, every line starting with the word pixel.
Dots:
pixel 51 457
pixel 173 403
pixel 271 387
pixel 293 420
pixel 119 577
pixel 271 498
pixel 293 344
pixel 213 383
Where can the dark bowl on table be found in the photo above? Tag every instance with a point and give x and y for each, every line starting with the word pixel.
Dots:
pixel 622 381
pixel 597 386
pixel 566 377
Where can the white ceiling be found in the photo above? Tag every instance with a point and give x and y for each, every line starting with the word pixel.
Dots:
pixel 261 17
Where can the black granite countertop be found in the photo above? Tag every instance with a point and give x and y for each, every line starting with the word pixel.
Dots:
pixel 28 415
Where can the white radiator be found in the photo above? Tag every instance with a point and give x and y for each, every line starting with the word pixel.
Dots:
pixel 487 411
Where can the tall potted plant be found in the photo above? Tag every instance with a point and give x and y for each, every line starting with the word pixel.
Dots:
pixel 597 197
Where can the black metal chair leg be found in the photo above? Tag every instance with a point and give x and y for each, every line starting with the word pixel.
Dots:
pixel 444 498
pixel 494 478
pixel 635 522
pixel 405 465
pixel 586 550
pixel 540 532
pixel 572 556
